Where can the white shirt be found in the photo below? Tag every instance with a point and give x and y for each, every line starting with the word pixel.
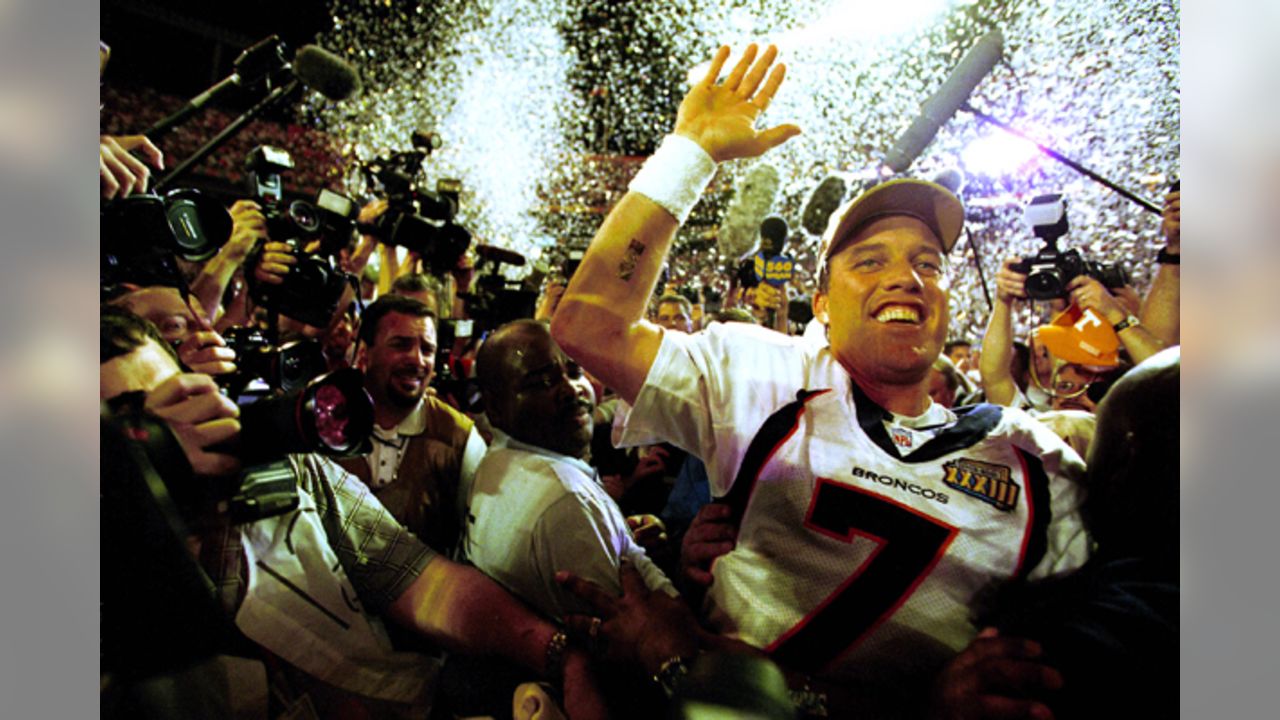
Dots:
pixel 534 512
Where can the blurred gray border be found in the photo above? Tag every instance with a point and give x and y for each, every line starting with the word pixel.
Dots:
pixel 48 518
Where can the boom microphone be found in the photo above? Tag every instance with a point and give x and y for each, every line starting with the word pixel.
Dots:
pixel 326 73
pixel 822 202
pixel 314 67
pixel 937 110
pixel 740 231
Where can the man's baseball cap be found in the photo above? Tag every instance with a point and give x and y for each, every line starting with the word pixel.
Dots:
pixel 932 204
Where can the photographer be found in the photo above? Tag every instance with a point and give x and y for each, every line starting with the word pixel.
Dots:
pixel 181 326
pixel 308 587
pixel 1087 293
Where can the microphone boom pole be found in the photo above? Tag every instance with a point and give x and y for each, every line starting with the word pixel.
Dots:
pixel 231 129
pixel 1140 202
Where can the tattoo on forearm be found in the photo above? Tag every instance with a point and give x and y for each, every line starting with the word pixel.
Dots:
pixel 627 267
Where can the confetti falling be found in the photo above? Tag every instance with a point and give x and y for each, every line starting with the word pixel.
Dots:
pixel 546 110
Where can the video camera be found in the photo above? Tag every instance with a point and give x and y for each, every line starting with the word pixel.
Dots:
pixel 417 219
pixel 496 300
pixel 1050 270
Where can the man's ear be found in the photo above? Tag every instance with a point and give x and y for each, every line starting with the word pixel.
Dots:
pixel 820 307
pixel 361 360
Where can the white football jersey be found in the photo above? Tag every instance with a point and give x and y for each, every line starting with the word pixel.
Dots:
pixel 851 559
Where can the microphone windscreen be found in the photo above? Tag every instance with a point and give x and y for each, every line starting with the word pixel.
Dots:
pixel 823 201
pixel 326 73
pixel 740 231
pixel 938 109
pixel 951 179
pixel 773 233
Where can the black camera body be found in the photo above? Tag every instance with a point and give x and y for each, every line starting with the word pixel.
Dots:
pixel 331 218
pixel 141 234
pixel 1050 270
pixel 286 368
pixel 311 289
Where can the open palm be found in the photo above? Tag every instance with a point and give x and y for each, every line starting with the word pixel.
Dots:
pixel 722 117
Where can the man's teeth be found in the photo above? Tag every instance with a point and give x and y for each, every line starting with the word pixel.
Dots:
pixel 898 313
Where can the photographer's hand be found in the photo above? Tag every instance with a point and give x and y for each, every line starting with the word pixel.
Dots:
pixel 248 225
pixel 1090 294
pixel 1171 222
pixel 1010 284
pixel 277 259
pixel 200 417
pixel 120 174
pixel 998 382
pixel 206 352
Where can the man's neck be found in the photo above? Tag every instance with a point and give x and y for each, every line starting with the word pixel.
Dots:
pixel 908 398
pixel 388 415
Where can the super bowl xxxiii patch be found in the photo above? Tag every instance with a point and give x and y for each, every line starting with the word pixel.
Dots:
pixel 988 482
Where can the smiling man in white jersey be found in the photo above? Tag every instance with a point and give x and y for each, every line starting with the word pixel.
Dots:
pixel 868 517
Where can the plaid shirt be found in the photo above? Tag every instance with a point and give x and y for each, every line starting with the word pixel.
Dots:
pixel 379 555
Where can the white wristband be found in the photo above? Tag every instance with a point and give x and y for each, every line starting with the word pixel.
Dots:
pixel 675 176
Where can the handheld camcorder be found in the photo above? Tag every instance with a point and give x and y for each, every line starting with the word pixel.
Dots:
pixel 418 219
pixel 1050 270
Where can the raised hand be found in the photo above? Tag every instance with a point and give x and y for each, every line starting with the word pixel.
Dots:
pixel 722 117
pixel 1010 284
pixel 120 174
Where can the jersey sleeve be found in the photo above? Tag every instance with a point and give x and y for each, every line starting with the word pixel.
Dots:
pixel 708 392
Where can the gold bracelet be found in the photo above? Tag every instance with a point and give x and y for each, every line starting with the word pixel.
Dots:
pixel 555 654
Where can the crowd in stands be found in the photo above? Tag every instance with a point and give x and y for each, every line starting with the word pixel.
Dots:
pixel 635 504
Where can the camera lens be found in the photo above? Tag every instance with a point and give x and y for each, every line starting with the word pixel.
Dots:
pixel 304 215
pixel 1044 284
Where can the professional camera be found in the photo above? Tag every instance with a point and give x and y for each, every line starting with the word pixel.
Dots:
pixel 331 218
pixel 141 234
pixel 311 289
pixel 1051 270
pixel 417 219
pixel 331 415
pixel 286 368
pixel 496 300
